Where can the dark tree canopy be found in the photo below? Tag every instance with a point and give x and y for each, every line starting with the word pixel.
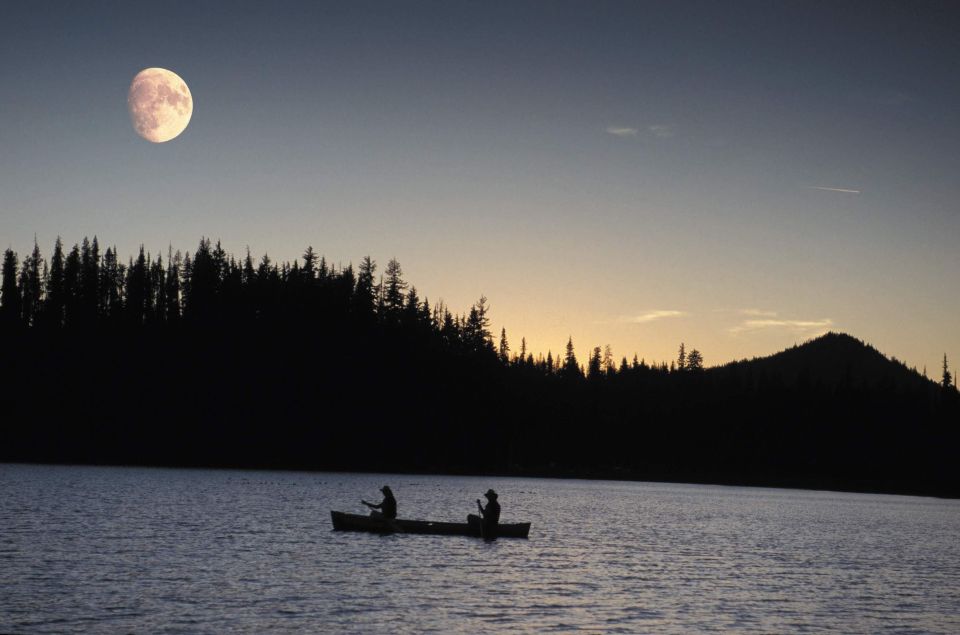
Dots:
pixel 200 358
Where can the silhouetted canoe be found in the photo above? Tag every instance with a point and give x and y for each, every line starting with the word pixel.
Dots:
pixel 357 522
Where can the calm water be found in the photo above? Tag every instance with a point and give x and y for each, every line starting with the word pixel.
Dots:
pixel 118 550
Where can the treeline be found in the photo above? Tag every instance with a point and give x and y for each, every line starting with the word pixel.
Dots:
pixel 205 359
pixel 83 289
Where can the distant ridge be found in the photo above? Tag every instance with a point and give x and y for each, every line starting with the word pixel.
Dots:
pixel 833 359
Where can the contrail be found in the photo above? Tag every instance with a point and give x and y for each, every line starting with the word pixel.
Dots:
pixel 834 189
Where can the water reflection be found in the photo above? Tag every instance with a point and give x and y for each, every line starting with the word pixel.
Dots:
pixel 141 550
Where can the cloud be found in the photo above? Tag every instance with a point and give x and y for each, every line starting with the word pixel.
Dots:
pixel 621 131
pixel 661 131
pixel 796 326
pixel 843 190
pixel 895 99
pixel 757 313
pixel 650 316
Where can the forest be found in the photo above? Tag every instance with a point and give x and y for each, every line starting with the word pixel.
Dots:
pixel 204 359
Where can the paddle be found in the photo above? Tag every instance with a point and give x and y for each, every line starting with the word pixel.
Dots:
pixel 480 508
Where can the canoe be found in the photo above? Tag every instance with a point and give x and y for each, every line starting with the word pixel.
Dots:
pixel 356 522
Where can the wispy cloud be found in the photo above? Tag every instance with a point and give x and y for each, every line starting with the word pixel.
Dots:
pixel 844 190
pixel 796 326
pixel 650 316
pixel 895 99
pixel 757 313
pixel 622 131
pixel 661 131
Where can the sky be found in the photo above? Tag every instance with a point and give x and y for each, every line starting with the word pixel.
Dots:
pixel 738 176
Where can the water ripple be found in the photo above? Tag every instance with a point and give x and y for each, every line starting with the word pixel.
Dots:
pixel 197 551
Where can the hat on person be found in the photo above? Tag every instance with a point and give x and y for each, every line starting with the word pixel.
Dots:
pixel 491 494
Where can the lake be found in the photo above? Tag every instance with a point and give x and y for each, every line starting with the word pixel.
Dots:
pixel 118 550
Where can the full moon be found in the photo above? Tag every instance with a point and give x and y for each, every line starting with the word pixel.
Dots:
pixel 160 104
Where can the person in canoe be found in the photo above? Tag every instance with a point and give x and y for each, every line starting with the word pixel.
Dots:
pixel 387 507
pixel 489 515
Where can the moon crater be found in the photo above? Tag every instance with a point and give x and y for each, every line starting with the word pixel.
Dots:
pixel 160 104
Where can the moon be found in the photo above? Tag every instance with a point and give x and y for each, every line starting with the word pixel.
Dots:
pixel 160 104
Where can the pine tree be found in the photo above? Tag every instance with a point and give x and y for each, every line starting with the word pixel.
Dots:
pixel 220 265
pixel 88 300
pixel 504 350
pixel 476 331
pixel 394 290
pixel 56 300
pixel 608 365
pixel 158 291
pixel 322 271
pixel 594 364
pixel 947 378
pixel 111 287
pixel 571 368
pixel 249 273
pixel 205 281
pixel 411 310
pixel 135 289
pixel 363 294
pixel 449 331
pixel 31 286
pixel 9 291
pixel 695 361
pixel 172 294
pixel 71 287
pixel 425 316
pixel 309 264
pixel 682 359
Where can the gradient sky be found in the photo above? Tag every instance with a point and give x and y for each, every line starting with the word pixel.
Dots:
pixel 739 176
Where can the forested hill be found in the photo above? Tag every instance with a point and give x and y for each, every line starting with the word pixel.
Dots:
pixel 207 359
pixel 834 359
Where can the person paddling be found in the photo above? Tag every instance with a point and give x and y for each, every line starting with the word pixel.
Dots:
pixel 489 515
pixel 387 507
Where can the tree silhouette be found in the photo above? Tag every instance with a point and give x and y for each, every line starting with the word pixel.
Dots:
pixel 594 365
pixel 694 361
pixel 89 293
pixel 71 287
pixel 476 331
pixel 608 365
pixel 571 369
pixel 136 291
pixel 10 309
pixel 363 297
pixel 56 296
pixel 393 291
pixel 31 286
pixel 309 269
pixel 946 379
pixel 410 316
pixel 110 289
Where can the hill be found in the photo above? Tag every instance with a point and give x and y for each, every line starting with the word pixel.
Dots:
pixel 834 359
